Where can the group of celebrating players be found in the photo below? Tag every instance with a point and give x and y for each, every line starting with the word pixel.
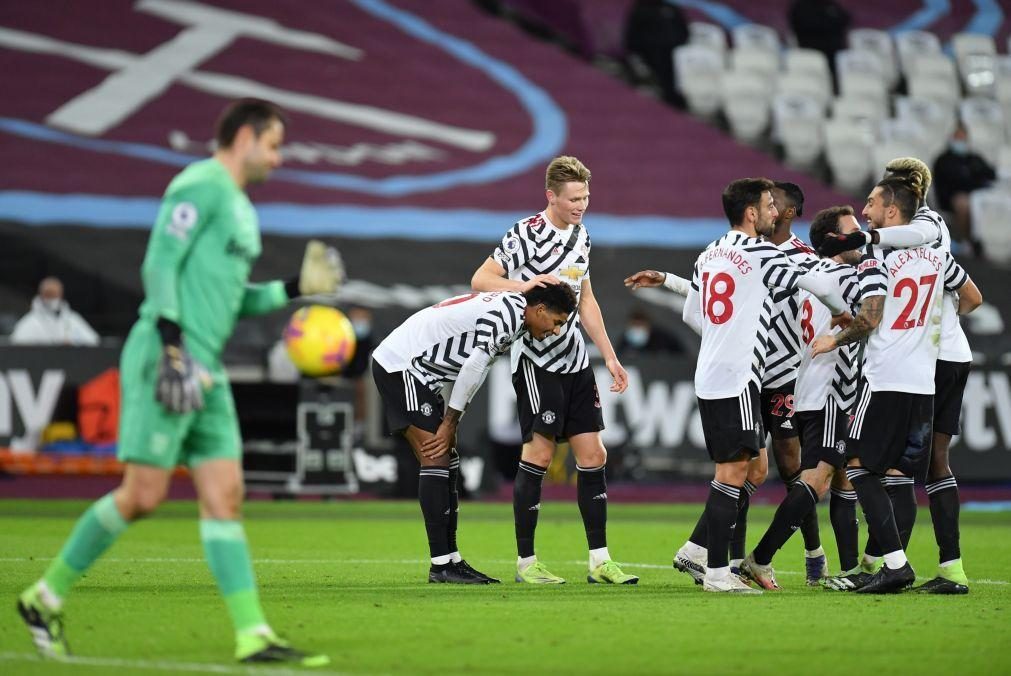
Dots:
pixel 832 351
pixel 851 361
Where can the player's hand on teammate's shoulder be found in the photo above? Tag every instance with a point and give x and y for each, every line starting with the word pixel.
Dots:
pixel 618 373
pixel 539 280
pixel 322 269
pixel 822 344
pixel 843 320
pixel 645 279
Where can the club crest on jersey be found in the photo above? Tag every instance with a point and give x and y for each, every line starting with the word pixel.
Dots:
pixel 426 409
pixel 840 446
pixel 548 417
pixel 511 244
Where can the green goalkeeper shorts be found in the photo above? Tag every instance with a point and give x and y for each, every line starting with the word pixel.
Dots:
pixel 150 435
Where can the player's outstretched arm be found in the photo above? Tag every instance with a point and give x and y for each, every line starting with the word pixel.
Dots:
pixel 862 326
pixel 322 273
pixel 652 278
pixel 825 288
pixel 593 322
pixel 921 231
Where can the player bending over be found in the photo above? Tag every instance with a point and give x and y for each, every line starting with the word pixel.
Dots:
pixel 454 341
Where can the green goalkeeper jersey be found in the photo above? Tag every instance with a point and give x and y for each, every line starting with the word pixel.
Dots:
pixel 199 257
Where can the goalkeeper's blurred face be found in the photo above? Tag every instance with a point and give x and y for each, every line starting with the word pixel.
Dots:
pixel 263 152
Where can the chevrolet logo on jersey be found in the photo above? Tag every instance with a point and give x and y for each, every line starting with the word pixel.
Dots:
pixel 573 272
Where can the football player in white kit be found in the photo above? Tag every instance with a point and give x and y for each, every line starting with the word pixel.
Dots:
pixel 454 341
pixel 730 303
pixel 556 393
pixel 900 314
pixel 954 361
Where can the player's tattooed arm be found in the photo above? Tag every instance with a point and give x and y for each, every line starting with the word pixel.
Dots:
pixel 865 322
pixel 871 311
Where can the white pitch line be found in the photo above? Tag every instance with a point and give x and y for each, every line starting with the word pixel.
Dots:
pixel 162 665
pixel 397 562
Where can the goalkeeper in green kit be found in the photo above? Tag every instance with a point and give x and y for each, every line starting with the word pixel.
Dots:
pixel 177 406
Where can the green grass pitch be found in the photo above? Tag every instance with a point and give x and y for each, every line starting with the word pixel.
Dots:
pixel 348 579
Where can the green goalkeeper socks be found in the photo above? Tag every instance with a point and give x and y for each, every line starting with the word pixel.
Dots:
pixel 228 556
pixel 94 532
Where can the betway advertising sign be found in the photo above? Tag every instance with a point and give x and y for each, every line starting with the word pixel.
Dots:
pixel 653 429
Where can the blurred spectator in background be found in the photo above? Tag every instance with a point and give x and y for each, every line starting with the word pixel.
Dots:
pixel 821 25
pixel 641 336
pixel 957 172
pixel 653 29
pixel 51 321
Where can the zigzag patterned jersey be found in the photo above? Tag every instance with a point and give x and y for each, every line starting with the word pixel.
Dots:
pixel 534 247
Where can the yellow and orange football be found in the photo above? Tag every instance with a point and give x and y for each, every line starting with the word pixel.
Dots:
pixel 320 340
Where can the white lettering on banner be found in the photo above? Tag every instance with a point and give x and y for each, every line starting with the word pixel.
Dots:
pixel 472 469
pixel 374 468
pixel 983 391
pixel 140 78
pixel 661 416
pixel 35 410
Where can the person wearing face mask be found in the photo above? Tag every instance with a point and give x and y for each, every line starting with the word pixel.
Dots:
pixel 642 336
pixel 957 172
pixel 51 321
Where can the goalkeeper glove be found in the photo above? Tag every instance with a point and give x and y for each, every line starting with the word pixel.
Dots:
pixel 181 379
pixel 322 271
pixel 836 244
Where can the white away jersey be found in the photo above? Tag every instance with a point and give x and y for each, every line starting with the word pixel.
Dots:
pixel 954 344
pixel 833 374
pixel 534 247
pixel 783 357
pixel 902 352
pixel 434 343
pixel 731 285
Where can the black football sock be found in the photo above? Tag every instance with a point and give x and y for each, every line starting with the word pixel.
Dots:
pixel 591 494
pixel 877 508
pixel 791 513
pixel 700 535
pixel 721 512
pixel 809 527
pixel 903 496
pixel 527 505
pixel 944 507
pixel 433 494
pixel 738 543
pixel 842 510
pixel 454 499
